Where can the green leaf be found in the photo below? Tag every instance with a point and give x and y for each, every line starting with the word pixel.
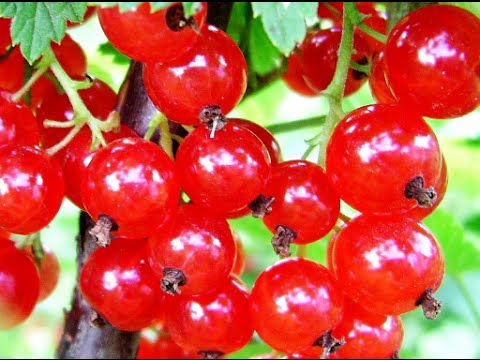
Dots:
pixel 285 22
pixel 36 24
pixel 460 253
pixel 191 8
pixel 264 56
pixel 117 57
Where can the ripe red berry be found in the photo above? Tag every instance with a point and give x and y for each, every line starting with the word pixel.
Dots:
pixel 387 264
pixel 213 72
pixel 294 302
pixel 146 36
pixel 216 322
pixel 162 347
pixel 192 231
pixel 432 60
pixel 134 182
pixel 19 285
pixel 383 159
pixel 293 77
pixel 17 124
pixel 223 173
pixel 49 271
pixel 12 70
pixel 378 85
pixel 5 38
pixel 239 263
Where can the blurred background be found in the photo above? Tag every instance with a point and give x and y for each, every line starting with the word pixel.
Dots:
pixel 456 224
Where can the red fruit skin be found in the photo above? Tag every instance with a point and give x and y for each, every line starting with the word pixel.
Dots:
pixel 32 189
pixel 49 271
pixel 118 283
pixel 266 136
pixel 239 263
pixel 383 146
pixel 304 200
pixel 213 72
pixel 367 335
pixel 5 38
pixel 71 56
pixel 192 231
pixel 293 77
pixel 318 58
pixel 379 24
pixel 395 259
pixel 145 36
pixel 227 310
pixel 378 85
pixel 163 347
pixel 77 156
pixel 12 70
pixel 294 302
pixel 432 57
pixel 134 182
pixel 19 285
pixel 17 124
pixel 235 162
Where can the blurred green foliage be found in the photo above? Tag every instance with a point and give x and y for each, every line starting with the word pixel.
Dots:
pixel 456 224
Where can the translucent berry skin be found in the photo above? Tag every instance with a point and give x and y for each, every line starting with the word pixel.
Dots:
pixel 239 263
pixel 193 231
pixel 367 335
pixel 144 35
pixel 378 85
pixel 266 136
pixel 191 319
pixel 383 146
pixel 432 57
pixel 77 156
pixel 12 70
pixel 162 347
pixel 234 162
pixel 19 285
pixel 17 124
pixel 32 189
pixel 118 283
pixel 213 72
pixel 318 57
pixel 5 38
pixel 293 77
pixel 134 182
pixel 294 302
pixel 49 271
pixel 396 259
pixel 304 200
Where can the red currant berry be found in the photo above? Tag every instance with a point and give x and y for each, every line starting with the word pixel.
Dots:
pixel 31 189
pixel 213 72
pixel 392 156
pixel 71 56
pixel 396 261
pixel 162 347
pixel 118 283
pixel 239 263
pixel 378 84
pixel 432 61
pixel 191 319
pixel 12 70
pixel 5 38
pixel 192 231
pixel 234 161
pixel 19 285
pixel 293 77
pixel 147 36
pixel 49 270
pixel 134 182
pixel 294 302
pixel 17 124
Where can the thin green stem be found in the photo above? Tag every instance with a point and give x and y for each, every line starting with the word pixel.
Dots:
pixel 468 298
pixel 166 141
pixel 59 146
pixel 280 128
pixel 58 124
pixel 365 69
pixel 307 152
pixel 373 33
pixel 26 87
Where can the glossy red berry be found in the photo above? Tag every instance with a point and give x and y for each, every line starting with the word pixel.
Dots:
pixel 432 61
pixel 146 36
pixel 12 70
pixel 378 84
pixel 134 182
pixel 193 231
pixel 213 72
pixel 392 157
pixel 367 335
pixel 223 173
pixel 19 285
pixel 49 271
pixel 239 263
pixel 295 301
pixel 162 347
pixel 31 189
pixel 293 77
pixel 318 58
pixel 119 284
pixel 17 124
pixel 5 38
pixel 386 264
pixel 191 319
pixel 71 56
pixel 304 201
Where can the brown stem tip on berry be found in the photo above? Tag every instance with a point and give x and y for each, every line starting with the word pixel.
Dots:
pixel 395 355
pixel 415 190
pixel 102 230
pixel 172 280
pixel 261 206
pixel 329 344
pixel 212 116
pixel 431 307
pixel 176 19
pixel 207 354
pixel 284 236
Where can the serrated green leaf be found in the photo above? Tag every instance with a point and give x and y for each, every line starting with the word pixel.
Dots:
pixel 264 56
pixel 285 22
pixel 460 254
pixel 35 25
